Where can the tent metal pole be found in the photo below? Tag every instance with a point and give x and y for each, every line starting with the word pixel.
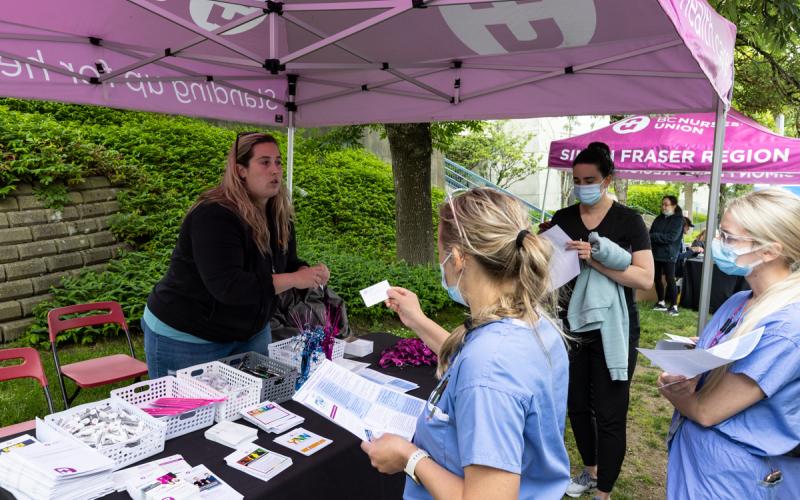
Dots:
pixel 544 195
pixel 713 208
pixel 290 155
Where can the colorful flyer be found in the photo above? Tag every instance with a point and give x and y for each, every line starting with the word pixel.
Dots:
pixel 303 441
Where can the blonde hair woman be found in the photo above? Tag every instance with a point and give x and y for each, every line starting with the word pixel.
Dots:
pixel 494 425
pixel 736 429
pixel 235 252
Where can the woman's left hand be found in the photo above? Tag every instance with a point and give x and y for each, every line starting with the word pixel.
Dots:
pixel 676 386
pixel 584 249
pixel 389 453
pixel 323 273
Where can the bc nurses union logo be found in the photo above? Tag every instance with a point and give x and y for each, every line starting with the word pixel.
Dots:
pixel 210 15
pixel 502 27
pixel 631 125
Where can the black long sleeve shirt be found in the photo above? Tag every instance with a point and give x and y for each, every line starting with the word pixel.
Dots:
pixel 219 286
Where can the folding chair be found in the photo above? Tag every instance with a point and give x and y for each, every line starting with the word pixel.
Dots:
pixel 31 367
pixel 98 371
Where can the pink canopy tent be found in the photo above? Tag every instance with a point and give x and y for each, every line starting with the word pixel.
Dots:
pixel 679 148
pixel 328 62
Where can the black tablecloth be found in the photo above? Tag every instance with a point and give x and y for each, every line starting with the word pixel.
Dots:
pixel 722 285
pixel 339 471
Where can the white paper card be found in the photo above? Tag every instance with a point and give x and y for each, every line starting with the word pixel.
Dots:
pixel 564 264
pixel 303 441
pixel 376 293
pixel 691 363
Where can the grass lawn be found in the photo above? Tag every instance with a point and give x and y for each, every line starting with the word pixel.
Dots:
pixel 643 474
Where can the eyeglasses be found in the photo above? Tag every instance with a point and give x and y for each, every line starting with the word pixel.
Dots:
pixel 731 239
pixel 453 194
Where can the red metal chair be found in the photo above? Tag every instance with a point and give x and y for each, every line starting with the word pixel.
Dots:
pixel 31 367
pixel 98 371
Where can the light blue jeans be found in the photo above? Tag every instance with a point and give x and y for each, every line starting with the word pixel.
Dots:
pixel 165 355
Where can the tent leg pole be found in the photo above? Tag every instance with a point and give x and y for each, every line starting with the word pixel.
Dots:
pixel 544 196
pixel 290 161
pixel 711 224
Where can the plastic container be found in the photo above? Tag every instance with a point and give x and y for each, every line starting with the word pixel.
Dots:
pixel 290 350
pixel 149 443
pixel 243 392
pixel 276 388
pixel 143 393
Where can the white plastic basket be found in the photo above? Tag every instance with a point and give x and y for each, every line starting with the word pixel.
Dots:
pixel 246 392
pixel 290 352
pixel 143 393
pixel 148 444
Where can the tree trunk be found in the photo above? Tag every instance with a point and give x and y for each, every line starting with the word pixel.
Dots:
pixel 621 190
pixel 411 148
pixel 688 199
pixel 567 196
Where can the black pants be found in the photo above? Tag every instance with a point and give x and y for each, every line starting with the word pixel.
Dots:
pixel 597 406
pixel 667 269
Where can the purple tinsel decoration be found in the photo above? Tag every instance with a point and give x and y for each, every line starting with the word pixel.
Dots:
pixel 408 352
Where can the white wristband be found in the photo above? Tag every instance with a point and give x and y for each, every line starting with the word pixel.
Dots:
pixel 411 465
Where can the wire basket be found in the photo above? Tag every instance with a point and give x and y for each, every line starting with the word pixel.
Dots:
pixel 149 443
pixel 290 351
pixel 243 391
pixel 143 393
pixel 278 385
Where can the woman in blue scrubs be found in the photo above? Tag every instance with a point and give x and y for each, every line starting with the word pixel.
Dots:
pixel 736 429
pixel 494 425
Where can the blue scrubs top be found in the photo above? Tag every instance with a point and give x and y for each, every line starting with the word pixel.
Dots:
pixel 503 406
pixel 730 459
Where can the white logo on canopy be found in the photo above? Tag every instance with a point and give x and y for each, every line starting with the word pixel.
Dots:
pixel 575 20
pixel 211 15
pixel 631 125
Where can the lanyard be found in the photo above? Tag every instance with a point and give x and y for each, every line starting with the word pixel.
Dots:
pixel 729 325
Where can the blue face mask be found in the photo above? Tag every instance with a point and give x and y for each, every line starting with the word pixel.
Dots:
pixel 725 259
pixel 452 291
pixel 589 194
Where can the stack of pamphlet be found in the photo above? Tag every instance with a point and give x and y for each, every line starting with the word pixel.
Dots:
pixel 258 462
pixel 231 434
pixel 63 469
pixel 271 417
pixel 204 484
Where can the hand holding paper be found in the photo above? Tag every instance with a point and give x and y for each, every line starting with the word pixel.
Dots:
pixel 564 264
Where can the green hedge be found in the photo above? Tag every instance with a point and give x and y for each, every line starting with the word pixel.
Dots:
pixel 345 215
pixel 649 196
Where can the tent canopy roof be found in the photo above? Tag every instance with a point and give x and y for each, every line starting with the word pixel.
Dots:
pixel 369 61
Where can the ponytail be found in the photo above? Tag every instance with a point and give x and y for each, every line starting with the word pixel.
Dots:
pixel 497 232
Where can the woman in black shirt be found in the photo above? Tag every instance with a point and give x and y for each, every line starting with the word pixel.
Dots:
pixel 236 251
pixel 597 405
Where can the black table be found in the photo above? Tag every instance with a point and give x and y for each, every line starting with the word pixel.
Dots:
pixel 722 285
pixel 339 471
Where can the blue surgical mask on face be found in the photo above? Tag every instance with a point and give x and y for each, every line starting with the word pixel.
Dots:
pixel 589 194
pixel 452 291
pixel 725 258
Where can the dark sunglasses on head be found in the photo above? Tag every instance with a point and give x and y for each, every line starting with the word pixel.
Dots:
pixel 236 145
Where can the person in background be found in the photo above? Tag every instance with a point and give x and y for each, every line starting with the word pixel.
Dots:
pixel 666 238
pixel 235 252
pixel 736 429
pixel 686 253
pixel 698 245
pixel 599 393
pixel 494 426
